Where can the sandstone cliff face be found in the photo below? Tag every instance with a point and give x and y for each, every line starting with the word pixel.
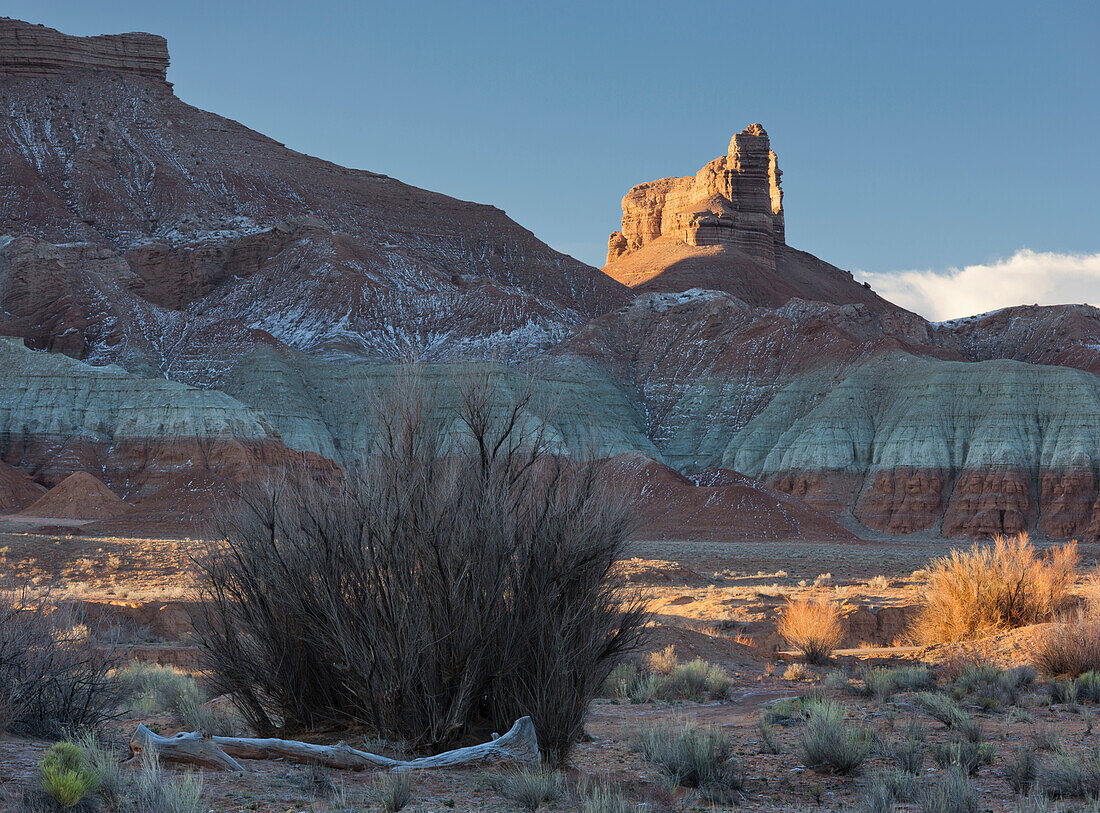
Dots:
pixel 723 229
pixel 36 51
pixel 735 200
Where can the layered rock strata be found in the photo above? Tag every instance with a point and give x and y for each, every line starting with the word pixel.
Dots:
pixel 735 200
pixel 39 52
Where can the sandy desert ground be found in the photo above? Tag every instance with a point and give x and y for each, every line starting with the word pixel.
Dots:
pixel 711 601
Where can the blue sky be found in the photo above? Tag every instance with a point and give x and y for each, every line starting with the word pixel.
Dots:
pixel 912 135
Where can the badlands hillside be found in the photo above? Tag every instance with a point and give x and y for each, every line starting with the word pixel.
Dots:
pixel 187 300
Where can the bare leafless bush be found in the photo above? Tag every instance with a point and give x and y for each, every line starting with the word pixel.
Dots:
pixel 991 588
pixel 455 581
pixel 55 676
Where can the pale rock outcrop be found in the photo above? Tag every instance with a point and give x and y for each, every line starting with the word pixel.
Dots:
pixel 735 200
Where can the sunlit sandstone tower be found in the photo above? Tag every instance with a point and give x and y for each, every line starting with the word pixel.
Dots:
pixel 735 200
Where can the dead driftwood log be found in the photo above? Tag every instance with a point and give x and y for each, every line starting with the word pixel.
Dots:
pixel 518 747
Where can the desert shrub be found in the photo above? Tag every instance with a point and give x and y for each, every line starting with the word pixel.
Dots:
pixel 1070 649
pixel 991 588
pixel 877 798
pixel 1035 803
pixel 153 790
pixel 992 687
pixel 769 739
pixel 599 797
pixel 812 626
pixel 836 680
pixel 1047 738
pixel 317 781
pixel 54 677
pixel 663 662
pixel 618 682
pixel 1088 687
pixel 1021 769
pixel 962 753
pixel 1062 690
pixel 65 775
pixel 829 744
pixel 948 711
pixel 952 792
pixel 393 791
pixel 691 755
pixel 878 583
pixel 696 678
pixel 796 671
pixel 908 753
pixel 1066 775
pixel 156 689
pixel 886 789
pixel 459 579
pixel 683 681
pixel 883 682
pixel 788 710
pixel 531 788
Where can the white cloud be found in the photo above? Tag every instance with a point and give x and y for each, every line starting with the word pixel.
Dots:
pixel 1026 278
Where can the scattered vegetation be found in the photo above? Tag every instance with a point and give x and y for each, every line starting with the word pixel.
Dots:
pixel 884 682
pixel 812 626
pixel 393 791
pixel 156 689
pixel 84 776
pixel 55 678
pixel 1021 769
pixel 951 792
pixel 531 788
pixel 460 579
pixel 829 744
pixel 1071 649
pixel 992 588
pixel 1066 775
pixel 667 679
pixel 692 755
pixel 601 797
pixel 964 754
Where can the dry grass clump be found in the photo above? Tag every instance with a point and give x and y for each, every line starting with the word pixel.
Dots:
pixel 831 745
pixel 692 755
pixel 991 588
pixel 663 677
pixel 812 626
pixel 953 792
pixel 393 791
pixel 531 788
pixel 1070 649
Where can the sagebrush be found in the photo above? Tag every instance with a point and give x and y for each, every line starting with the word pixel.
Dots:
pixel 995 587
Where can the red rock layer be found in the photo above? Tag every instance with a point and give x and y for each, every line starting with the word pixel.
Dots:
pixel 17 490
pixel 139 467
pixel 719 504
pixel 78 496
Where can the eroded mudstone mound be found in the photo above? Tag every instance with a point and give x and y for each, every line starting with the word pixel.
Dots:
pixel 17 489
pixel 722 505
pixel 78 496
